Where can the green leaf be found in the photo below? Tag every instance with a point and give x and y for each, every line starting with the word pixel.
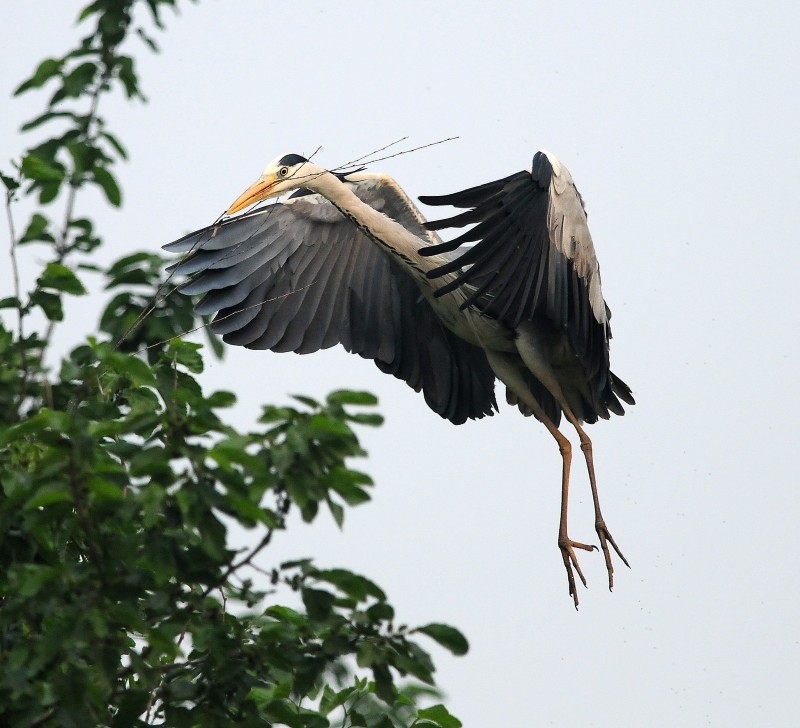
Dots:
pixel 31 578
pixel 344 396
pixel 150 461
pixel 44 420
pixel 332 699
pixel 37 169
pixel 10 302
pixel 321 425
pixel 108 184
pixel 48 496
pixel 80 78
pixel 129 262
pixel 318 603
pixel 415 661
pixel 248 511
pixel 60 278
pixel 83 156
pixel 105 489
pixel 384 685
pixel 45 71
pixel 272 414
pixel 346 483
pixel 381 612
pixel 10 183
pixel 447 636
pixel 138 370
pixel 355 586
pixel 127 75
pixel 147 40
pixel 115 143
pixel 440 716
pixel 365 418
pixel 186 353
pixel 357 720
pixel 337 512
pixel 285 614
pixel 221 399
pixel 37 230
pixel 181 689
pixel 304 565
pixel 90 9
pixel 132 704
pixel 50 303
pixel 308 401
pixel 48 191
pixel 42 118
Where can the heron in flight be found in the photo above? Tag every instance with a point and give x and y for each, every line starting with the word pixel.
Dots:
pixel 349 259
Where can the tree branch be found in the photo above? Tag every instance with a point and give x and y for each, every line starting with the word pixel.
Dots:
pixel 13 254
pixel 283 509
pixel 62 246
pixel 12 233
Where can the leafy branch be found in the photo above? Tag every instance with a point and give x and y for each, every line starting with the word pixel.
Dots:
pixel 122 602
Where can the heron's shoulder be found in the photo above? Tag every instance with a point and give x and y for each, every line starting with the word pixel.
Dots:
pixel 378 190
pixel 548 172
pixel 369 180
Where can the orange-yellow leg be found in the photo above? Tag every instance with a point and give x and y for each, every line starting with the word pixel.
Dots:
pixel 565 543
pixel 508 371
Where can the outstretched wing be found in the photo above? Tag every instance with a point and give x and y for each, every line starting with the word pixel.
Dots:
pixel 534 257
pixel 298 276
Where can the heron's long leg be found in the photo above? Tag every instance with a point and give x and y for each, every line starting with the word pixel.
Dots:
pixel 599 522
pixel 565 543
pixel 533 347
pixel 508 371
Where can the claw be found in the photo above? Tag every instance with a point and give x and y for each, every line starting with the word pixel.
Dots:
pixel 568 547
pixel 606 538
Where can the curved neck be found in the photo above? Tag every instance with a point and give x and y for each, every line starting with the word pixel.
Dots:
pixel 390 235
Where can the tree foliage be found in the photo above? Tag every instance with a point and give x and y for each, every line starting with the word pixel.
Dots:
pixel 122 602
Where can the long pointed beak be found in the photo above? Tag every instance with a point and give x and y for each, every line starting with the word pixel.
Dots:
pixel 259 190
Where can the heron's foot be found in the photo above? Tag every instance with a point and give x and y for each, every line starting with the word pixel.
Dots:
pixel 606 538
pixel 568 547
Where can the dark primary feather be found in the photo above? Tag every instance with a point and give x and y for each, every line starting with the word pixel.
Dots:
pixel 523 268
pixel 298 276
pixel 471 197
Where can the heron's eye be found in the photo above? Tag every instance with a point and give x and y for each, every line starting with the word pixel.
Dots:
pixel 283 171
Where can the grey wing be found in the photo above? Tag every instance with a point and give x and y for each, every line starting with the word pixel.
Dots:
pixel 298 276
pixel 534 257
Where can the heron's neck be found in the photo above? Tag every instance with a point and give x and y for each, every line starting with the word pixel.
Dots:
pixel 390 235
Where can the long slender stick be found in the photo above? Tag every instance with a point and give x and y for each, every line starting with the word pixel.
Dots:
pixel 396 154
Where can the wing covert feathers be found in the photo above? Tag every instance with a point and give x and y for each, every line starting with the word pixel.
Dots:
pixel 298 276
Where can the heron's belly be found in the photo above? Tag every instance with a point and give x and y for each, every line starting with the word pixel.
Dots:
pixel 471 325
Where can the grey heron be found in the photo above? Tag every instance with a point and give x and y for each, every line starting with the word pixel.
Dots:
pixel 349 259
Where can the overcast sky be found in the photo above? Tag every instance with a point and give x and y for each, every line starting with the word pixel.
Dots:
pixel 680 126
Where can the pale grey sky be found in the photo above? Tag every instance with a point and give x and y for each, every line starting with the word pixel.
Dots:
pixel 680 126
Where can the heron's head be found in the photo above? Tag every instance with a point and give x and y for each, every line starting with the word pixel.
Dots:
pixel 285 173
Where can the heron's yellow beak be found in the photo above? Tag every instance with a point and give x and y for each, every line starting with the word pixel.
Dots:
pixel 259 190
